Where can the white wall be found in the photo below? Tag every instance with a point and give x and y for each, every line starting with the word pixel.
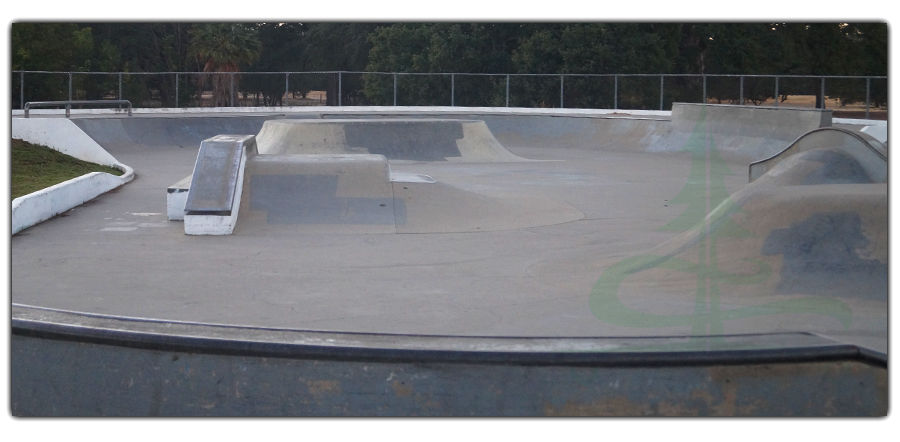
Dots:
pixel 63 135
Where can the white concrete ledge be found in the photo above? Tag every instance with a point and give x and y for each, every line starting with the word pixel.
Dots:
pixel 28 210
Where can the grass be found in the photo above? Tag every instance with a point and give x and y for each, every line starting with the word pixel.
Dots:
pixel 36 167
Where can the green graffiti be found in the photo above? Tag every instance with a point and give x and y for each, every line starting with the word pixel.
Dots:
pixel 708 212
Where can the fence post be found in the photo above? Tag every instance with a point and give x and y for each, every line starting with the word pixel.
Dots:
pixel 176 89
pixel 287 88
pixel 231 75
pixel 395 88
pixel 615 91
pixel 777 95
pixel 704 89
pixel 340 81
pixel 22 92
pixel 661 92
pixel 823 92
pixel 867 96
pixel 70 86
pixel 120 85
pixel 507 90
pixel 561 92
pixel 452 89
pixel 742 90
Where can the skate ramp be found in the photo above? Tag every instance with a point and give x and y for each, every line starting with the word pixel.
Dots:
pixel 827 155
pixel 789 258
pixel 396 139
pixel 745 132
pixel 358 194
pixel 159 131
pixel 601 131
pixel 317 194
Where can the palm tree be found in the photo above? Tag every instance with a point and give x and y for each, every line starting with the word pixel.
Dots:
pixel 222 48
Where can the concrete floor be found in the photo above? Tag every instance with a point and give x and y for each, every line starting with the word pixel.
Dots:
pixel 119 255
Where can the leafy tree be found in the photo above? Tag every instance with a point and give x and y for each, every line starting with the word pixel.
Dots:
pixel 340 47
pixel 484 48
pixel 60 47
pixel 283 48
pixel 222 49
pixel 151 47
pixel 595 48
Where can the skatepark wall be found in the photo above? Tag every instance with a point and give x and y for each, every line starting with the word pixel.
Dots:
pixel 139 367
pixel 741 132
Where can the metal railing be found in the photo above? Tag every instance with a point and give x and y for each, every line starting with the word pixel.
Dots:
pixel 68 104
pixel 778 88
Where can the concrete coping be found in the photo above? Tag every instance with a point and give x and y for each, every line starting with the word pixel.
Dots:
pixel 806 109
pixel 292 343
pixel 871 154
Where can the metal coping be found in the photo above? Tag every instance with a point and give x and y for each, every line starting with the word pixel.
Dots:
pixel 660 351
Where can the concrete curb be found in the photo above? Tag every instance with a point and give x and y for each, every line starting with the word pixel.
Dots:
pixel 44 204
pixel 63 136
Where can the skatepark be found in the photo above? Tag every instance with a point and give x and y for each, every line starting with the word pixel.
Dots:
pixel 435 261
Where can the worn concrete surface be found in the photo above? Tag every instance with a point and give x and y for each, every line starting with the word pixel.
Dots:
pixel 541 274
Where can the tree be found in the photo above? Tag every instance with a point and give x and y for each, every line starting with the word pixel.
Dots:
pixel 340 47
pixel 424 48
pixel 222 49
pixel 283 48
pixel 151 47
pixel 596 48
pixel 50 47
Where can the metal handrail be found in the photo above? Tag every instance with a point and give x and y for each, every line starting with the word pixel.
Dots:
pixel 68 104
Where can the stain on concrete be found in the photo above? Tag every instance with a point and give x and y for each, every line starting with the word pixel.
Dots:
pixel 837 168
pixel 821 256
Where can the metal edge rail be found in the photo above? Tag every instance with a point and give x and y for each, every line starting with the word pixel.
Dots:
pixel 68 104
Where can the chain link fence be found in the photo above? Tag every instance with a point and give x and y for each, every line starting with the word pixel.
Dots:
pixel 862 95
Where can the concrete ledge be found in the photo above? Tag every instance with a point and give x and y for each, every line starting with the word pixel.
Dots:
pixel 212 203
pixel 44 204
pixel 176 198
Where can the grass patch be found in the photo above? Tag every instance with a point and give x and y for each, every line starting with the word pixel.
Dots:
pixel 36 167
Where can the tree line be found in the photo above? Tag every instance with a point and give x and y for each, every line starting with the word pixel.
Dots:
pixel 243 49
